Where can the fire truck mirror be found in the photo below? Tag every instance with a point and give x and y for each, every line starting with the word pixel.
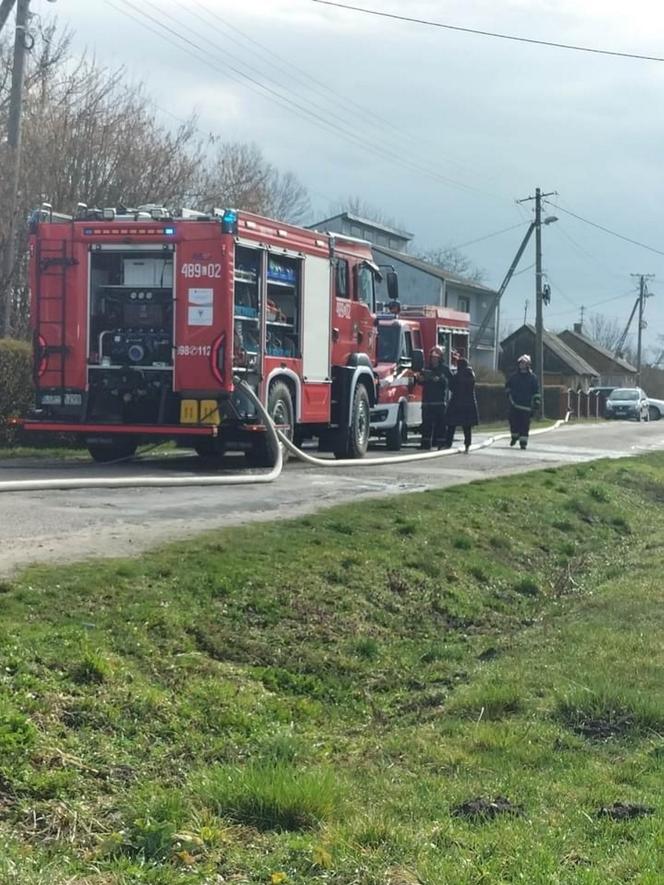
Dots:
pixel 417 360
pixel 392 279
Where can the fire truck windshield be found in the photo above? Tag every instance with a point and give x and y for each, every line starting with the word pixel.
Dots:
pixel 389 343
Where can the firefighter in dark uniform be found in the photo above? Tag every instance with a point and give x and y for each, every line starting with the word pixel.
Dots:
pixel 524 397
pixel 434 381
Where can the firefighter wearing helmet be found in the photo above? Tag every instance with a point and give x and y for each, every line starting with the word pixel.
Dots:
pixel 434 381
pixel 524 397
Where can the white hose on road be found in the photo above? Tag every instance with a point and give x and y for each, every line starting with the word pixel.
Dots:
pixel 140 482
pixel 126 482
pixel 402 459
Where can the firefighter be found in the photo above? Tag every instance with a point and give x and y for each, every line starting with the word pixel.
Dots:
pixel 524 397
pixel 434 381
pixel 462 407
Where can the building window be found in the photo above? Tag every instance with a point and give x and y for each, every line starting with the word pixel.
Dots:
pixel 463 303
pixel 394 244
pixel 355 231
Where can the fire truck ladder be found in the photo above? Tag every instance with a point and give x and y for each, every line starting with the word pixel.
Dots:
pixel 53 264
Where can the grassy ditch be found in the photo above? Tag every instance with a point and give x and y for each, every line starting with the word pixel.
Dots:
pixel 460 686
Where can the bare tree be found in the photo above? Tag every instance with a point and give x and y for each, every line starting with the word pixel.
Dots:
pixel 91 136
pixel 240 176
pixel 604 330
pixel 454 261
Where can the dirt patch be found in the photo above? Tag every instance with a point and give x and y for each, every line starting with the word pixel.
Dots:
pixel 481 808
pixel 625 811
pixel 489 654
pixel 603 729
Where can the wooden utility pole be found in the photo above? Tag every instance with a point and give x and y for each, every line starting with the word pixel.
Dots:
pixel 643 294
pixel 14 158
pixel 539 289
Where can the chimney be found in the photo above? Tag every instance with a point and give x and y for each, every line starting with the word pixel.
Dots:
pixel 578 328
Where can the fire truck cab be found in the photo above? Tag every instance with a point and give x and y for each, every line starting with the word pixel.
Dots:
pixel 144 320
pixel 404 339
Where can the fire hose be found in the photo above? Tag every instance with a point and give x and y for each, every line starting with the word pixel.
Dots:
pixel 275 436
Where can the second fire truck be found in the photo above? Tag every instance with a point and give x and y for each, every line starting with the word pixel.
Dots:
pixel 403 341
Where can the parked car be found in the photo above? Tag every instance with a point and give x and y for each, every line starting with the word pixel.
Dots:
pixel 602 394
pixel 628 402
pixel 655 408
pixel 605 391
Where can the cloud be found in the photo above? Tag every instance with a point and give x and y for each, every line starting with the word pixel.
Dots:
pixel 498 116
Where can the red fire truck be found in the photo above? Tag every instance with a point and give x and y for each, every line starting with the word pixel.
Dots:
pixel 403 341
pixel 143 319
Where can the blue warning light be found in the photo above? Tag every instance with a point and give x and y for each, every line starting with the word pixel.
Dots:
pixel 169 231
pixel 229 222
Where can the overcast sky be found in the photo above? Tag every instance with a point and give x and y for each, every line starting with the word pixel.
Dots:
pixel 441 130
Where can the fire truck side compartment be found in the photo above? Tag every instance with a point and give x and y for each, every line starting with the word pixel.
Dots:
pixel 130 341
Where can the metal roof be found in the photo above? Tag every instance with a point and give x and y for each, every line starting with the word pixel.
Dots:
pixel 558 347
pixel 433 269
pixel 621 363
pixel 367 222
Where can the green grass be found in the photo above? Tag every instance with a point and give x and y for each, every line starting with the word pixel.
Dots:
pixel 73 453
pixel 311 700
pixel 12 453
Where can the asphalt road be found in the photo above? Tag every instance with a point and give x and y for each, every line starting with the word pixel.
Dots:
pixel 62 526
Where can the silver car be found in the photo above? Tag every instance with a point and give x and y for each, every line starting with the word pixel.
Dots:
pixel 628 402
pixel 655 408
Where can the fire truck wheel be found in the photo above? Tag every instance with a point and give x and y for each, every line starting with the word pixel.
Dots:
pixel 280 408
pixel 356 438
pixel 396 436
pixel 111 449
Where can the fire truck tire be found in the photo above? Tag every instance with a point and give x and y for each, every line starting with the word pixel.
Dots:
pixel 280 409
pixel 396 436
pixel 355 441
pixel 114 449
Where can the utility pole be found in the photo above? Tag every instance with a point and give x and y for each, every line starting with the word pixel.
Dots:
pixel 643 294
pixel 539 291
pixel 581 315
pixel 539 303
pixel 5 10
pixel 494 309
pixel 14 157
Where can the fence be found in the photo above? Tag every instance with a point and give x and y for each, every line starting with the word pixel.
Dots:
pixel 492 403
pixel 586 405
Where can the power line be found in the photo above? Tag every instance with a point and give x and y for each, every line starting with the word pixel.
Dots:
pixel 596 303
pixel 316 85
pixel 293 106
pixel 606 229
pixel 588 257
pixel 488 236
pixel 481 33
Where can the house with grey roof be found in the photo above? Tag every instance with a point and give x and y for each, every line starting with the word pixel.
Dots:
pixel 421 282
pixel 613 370
pixel 563 367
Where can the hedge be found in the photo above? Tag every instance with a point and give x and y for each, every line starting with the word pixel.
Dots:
pixel 16 390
